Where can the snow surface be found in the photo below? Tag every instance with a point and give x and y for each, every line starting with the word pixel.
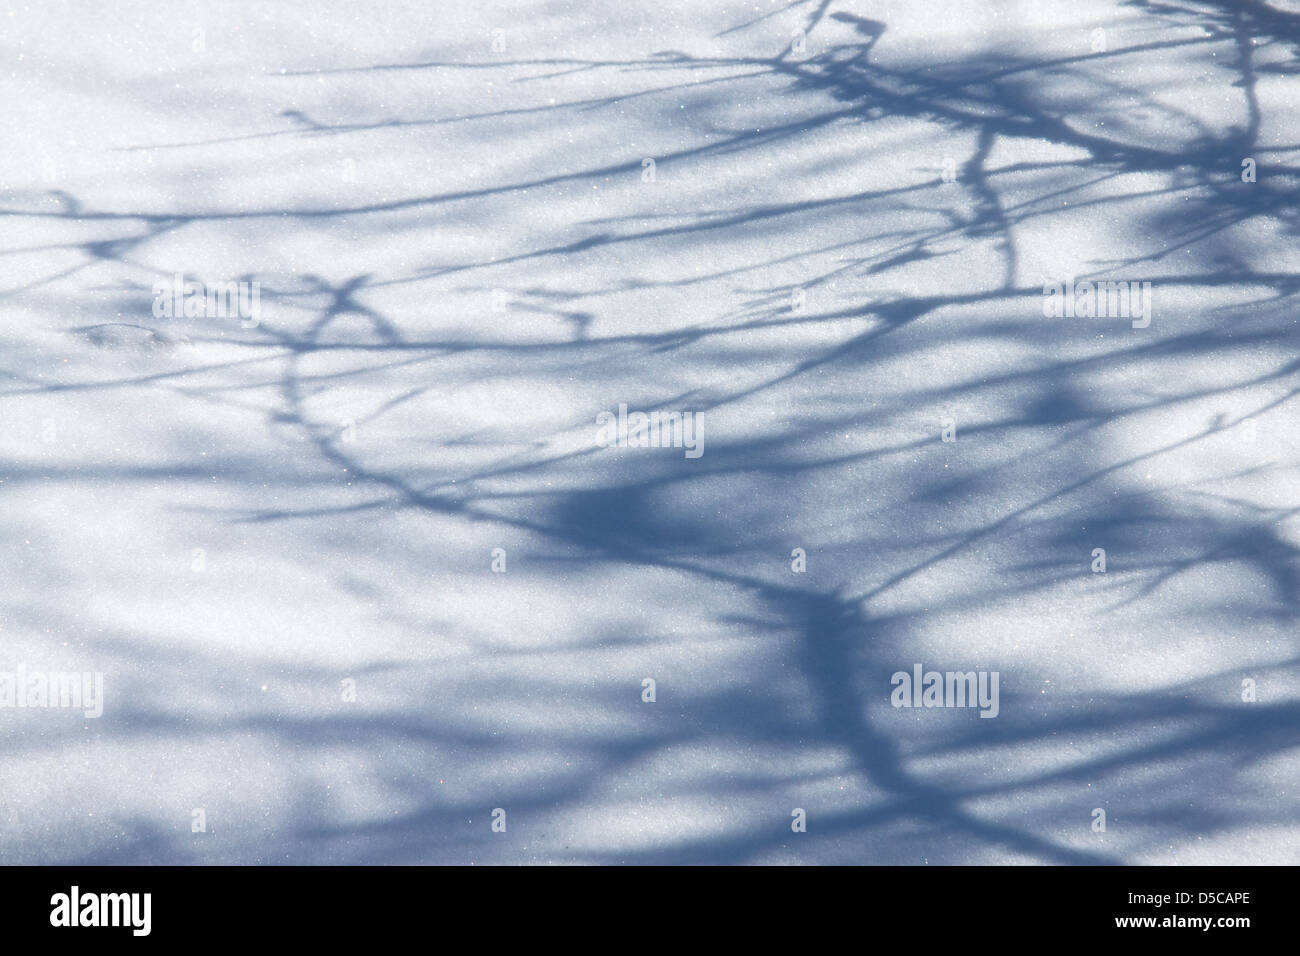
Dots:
pixel 462 263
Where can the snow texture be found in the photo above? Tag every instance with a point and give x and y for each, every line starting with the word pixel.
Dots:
pixel 276 537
